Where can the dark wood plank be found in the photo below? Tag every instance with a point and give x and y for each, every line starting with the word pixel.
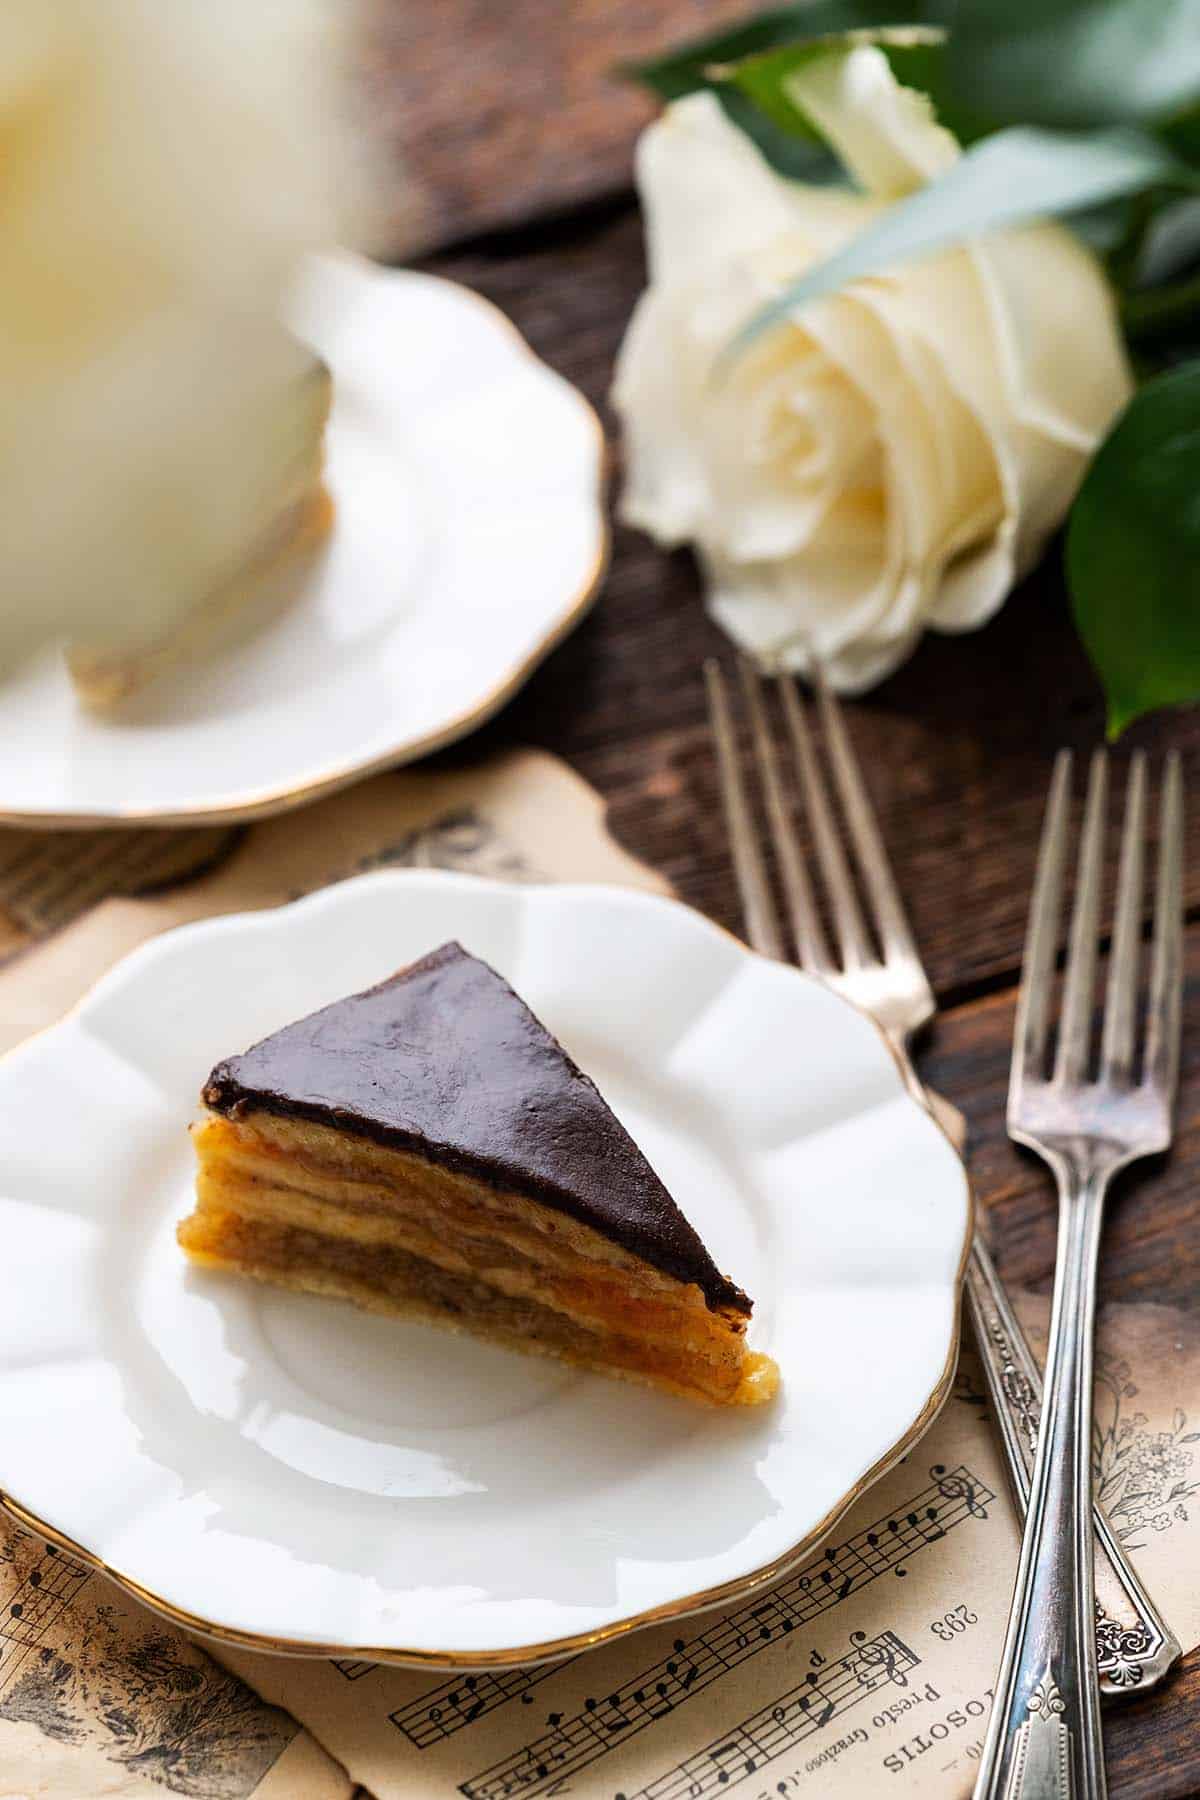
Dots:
pixel 957 748
pixel 506 116
pixel 1152 1746
pixel 957 745
pixel 491 115
pixel 1151 1245
pixel 1151 1251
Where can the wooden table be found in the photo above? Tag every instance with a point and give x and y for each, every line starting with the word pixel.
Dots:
pixel 517 141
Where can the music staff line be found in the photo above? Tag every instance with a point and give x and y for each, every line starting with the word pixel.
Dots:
pixel 350 1668
pixel 447 1708
pixel 49 1587
pixel 775 1730
pixel 574 1742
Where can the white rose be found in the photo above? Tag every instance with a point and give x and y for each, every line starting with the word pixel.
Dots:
pixel 896 455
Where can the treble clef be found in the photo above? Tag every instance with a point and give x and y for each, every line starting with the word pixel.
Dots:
pixel 959 1484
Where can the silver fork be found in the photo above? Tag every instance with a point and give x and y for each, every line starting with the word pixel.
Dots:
pixel 1135 1648
pixel 1044 1736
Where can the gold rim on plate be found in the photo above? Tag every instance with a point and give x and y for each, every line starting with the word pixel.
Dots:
pixel 556 1648
pixel 263 803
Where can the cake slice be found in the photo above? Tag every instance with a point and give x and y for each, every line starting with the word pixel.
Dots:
pixel 428 1148
pixel 293 514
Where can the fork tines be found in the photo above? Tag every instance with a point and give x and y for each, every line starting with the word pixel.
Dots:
pixel 869 943
pixel 1117 1066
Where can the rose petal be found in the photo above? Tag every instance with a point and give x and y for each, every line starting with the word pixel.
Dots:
pixel 865 664
pixel 887 135
pixel 1065 382
pixel 708 195
pixel 939 462
pixel 1063 385
pixel 940 311
pixel 666 489
pixel 783 439
pixel 963 478
pixel 975 584
pixel 755 602
pixel 897 454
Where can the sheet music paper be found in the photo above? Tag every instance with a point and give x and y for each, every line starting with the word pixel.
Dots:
pixel 97 1696
pixel 523 816
pixel 866 1671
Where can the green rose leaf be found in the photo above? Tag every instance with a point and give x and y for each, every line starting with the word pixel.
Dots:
pixel 683 71
pixel 1133 552
pixel 1011 178
pixel 1076 62
pixel 915 53
pixel 1059 63
pixel 799 154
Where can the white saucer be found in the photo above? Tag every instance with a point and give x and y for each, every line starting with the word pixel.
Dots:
pixel 469 538
pixel 288 1473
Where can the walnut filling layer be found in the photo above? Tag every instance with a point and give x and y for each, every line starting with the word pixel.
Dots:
pixel 300 1204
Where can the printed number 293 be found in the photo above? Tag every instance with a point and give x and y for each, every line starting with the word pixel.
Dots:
pixel 952 1623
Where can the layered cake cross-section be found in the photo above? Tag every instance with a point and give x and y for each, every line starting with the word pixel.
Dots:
pixel 428 1148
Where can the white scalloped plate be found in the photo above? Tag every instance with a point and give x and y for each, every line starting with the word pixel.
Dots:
pixel 469 538
pixel 288 1473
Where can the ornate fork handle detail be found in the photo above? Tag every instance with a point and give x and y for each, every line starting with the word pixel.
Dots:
pixel 1044 1735
pixel 1049 1661
pixel 1134 1645
pixel 1087 1119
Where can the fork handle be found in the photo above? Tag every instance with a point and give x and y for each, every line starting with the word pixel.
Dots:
pixel 1044 1739
pixel 1135 1647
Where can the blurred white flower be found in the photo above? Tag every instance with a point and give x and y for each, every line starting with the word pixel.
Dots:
pixel 164 168
pixel 895 456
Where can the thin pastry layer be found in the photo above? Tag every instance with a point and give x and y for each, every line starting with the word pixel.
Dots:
pixel 304 1206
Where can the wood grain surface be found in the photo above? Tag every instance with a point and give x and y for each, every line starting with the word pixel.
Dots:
pixel 496 114
pixel 510 145
pixel 957 745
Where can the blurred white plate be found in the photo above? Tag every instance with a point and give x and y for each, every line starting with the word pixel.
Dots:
pixel 289 1473
pixel 469 538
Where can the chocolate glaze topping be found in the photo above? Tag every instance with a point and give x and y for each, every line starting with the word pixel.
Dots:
pixel 446 1061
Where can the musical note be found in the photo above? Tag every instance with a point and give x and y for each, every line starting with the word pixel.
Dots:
pixel 660 1706
pixel 50 1586
pixel 823 1717
pixel 456 1703
pixel 772 1732
pixel 574 1742
pixel 618 1720
pixel 893 1526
